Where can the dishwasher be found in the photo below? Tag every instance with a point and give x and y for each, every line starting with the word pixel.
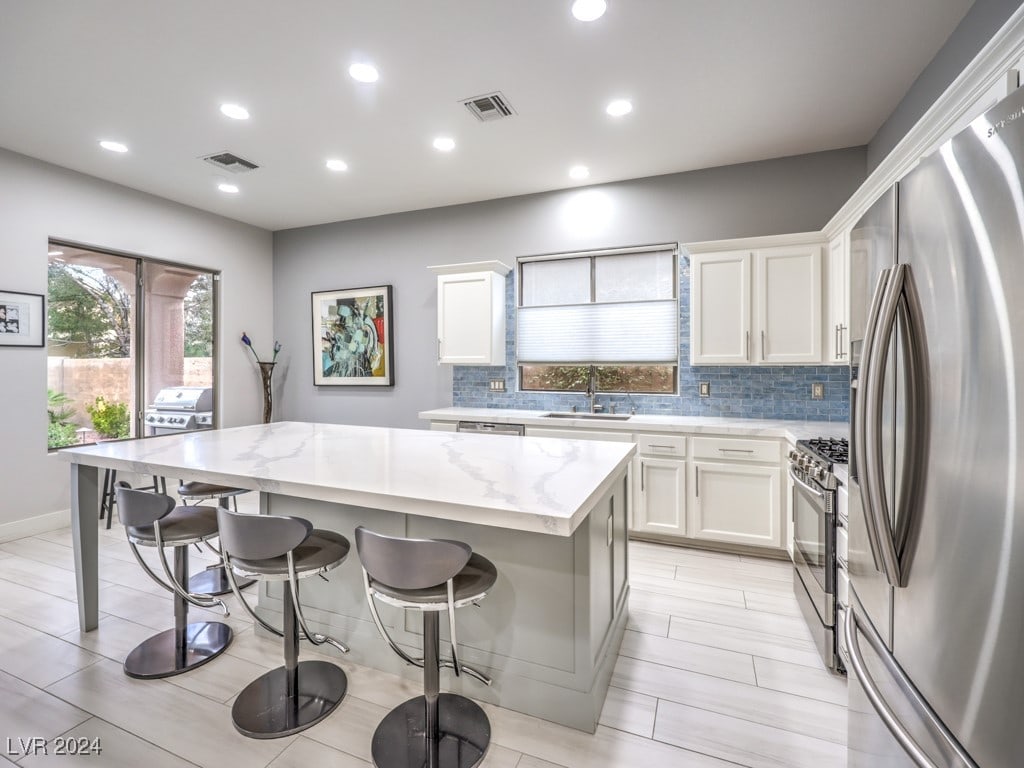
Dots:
pixel 486 427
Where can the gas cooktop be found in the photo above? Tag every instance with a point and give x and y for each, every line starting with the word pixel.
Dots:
pixel 830 449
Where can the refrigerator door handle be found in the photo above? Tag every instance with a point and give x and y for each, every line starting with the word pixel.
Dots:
pixel 935 726
pixel 872 472
pixel 861 413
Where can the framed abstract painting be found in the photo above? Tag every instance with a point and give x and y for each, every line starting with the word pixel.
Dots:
pixel 353 342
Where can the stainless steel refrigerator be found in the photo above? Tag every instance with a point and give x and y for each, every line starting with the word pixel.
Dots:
pixel 934 637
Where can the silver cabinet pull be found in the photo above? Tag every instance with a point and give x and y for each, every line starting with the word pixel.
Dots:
pixel 643 471
pixel 763 355
pixel 840 349
pixel 696 483
pixel 666 447
pixel 746 347
pixel 736 450
pixel 935 726
pixel 438 349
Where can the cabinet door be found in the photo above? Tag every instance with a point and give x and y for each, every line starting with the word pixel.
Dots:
pixel 720 308
pixel 837 329
pixel 470 319
pixel 788 295
pixel 736 503
pixel 661 505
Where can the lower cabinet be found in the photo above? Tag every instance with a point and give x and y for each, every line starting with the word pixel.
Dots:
pixel 736 503
pixel 660 505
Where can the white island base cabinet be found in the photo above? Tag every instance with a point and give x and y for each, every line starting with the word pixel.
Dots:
pixel 736 504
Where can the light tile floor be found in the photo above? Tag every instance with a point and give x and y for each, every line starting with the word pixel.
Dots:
pixel 716 669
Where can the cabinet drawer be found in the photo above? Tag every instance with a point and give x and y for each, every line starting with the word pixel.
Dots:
pixel 661 445
pixel 579 434
pixel 720 448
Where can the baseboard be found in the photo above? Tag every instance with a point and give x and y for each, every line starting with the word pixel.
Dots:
pixel 31 526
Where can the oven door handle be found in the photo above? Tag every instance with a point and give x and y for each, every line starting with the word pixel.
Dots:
pixel 806 486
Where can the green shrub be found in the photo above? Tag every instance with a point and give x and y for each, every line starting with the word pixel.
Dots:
pixel 58 406
pixel 60 435
pixel 109 419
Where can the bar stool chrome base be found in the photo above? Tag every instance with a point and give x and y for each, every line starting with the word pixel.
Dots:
pixel 214 581
pixel 464 733
pixel 264 710
pixel 175 651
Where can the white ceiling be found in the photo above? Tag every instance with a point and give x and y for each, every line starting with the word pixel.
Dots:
pixel 713 82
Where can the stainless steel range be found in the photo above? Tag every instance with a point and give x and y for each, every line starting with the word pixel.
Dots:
pixel 814 538
pixel 180 409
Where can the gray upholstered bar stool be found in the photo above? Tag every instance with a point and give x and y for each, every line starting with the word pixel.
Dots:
pixel 291 698
pixel 428 575
pixel 213 579
pixel 154 520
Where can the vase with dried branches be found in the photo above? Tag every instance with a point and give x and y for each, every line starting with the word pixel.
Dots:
pixel 266 375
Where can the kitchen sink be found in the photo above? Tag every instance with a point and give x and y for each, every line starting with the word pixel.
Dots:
pixel 595 416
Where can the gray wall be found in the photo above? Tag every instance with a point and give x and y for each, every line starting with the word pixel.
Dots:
pixel 981 22
pixel 40 201
pixel 795 194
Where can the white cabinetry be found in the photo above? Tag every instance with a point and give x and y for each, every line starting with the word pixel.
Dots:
pixel 659 474
pixel 720 308
pixel 837 327
pixel 736 494
pixel 471 313
pixel 758 307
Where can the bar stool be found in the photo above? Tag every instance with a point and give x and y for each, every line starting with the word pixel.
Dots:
pixel 154 520
pixel 213 579
pixel 428 575
pixel 294 697
pixel 108 499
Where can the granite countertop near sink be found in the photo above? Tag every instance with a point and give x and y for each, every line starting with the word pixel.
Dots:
pixel 716 425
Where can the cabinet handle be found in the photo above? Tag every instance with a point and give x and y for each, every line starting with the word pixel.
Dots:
pixel 763 355
pixel 746 349
pixel 643 468
pixel 736 450
pixel 696 483
pixel 438 349
pixel 840 350
pixel 666 447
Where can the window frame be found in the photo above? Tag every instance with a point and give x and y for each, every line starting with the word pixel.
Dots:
pixel 592 256
pixel 139 327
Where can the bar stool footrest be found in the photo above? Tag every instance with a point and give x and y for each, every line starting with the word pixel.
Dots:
pixel 214 581
pixel 400 740
pixel 263 710
pixel 163 656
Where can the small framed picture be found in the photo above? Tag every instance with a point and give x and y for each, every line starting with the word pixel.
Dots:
pixel 353 342
pixel 22 321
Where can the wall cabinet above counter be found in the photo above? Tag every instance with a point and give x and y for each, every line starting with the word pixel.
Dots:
pixel 471 313
pixel 756 306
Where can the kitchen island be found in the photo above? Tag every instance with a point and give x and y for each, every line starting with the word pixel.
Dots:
pixel 550 514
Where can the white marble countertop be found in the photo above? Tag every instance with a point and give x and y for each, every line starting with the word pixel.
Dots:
pixel 531 484
pixel 791 430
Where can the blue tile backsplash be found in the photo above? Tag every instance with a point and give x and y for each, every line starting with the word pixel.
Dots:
pixel 751 392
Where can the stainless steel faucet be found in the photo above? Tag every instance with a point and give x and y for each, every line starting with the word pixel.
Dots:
pixel 591 393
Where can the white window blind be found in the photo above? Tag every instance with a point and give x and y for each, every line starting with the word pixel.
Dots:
pixel 621 308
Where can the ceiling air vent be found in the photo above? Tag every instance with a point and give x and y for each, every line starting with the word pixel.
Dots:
pixel 231 163
pixel 490 106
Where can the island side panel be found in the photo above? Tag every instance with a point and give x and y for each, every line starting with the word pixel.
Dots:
pixel 85 513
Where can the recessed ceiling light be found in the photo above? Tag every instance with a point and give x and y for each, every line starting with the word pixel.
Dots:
pixel 619 107
pixel 444 144
pixel 234 111
pixel 579 172
pixel 364 73
pixel 337 165
pixel 589 10
pixel 55 253
pixel 113 146
pixel 231 189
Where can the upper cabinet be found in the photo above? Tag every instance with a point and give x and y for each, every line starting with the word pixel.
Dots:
pixel 837 325
pixel 471 313
pixel 756 307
